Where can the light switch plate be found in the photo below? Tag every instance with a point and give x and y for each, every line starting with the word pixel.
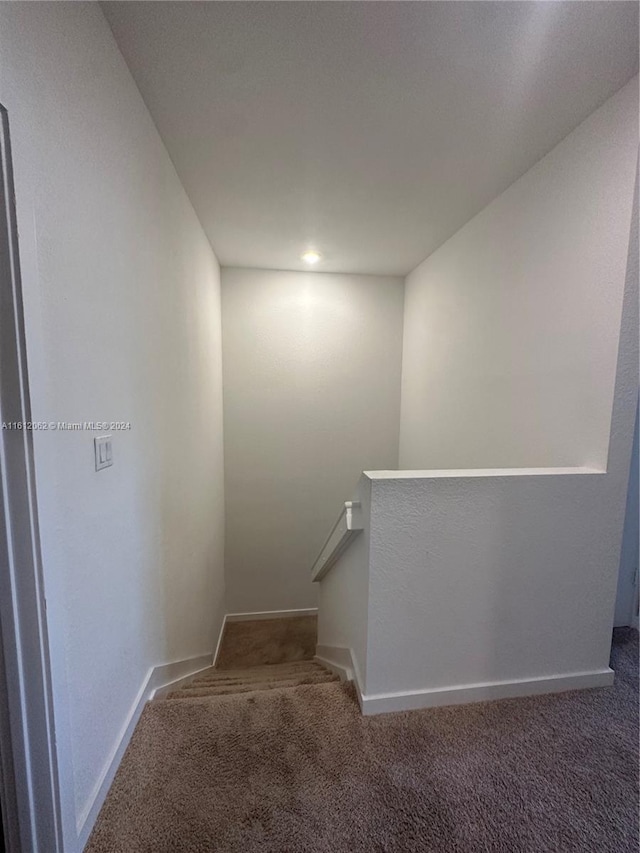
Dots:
pixel 103 451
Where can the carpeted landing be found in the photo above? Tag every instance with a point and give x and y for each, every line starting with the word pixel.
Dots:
pixel 299 770
pixel 268 641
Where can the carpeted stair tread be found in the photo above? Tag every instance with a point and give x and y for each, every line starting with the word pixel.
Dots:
pixel 240 700
pixel 317 675
pixel 247 670
pixel 293 676
pixel 228 690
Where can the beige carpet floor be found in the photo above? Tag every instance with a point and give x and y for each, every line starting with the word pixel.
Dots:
pixel 300 771
pixel 267 641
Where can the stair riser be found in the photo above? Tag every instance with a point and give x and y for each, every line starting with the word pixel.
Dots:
pixel 283 667
pixel 255 680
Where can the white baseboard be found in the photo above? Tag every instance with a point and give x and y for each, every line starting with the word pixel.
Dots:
pixel 342 662
pixel 220 636
pixel 263 614
pixel 159 678
pixel 338 659
pixel 172 675
pixel 382 703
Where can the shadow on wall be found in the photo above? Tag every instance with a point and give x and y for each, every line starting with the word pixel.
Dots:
pixel 626 613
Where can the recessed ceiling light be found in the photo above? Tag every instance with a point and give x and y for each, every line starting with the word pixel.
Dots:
pixel 311 257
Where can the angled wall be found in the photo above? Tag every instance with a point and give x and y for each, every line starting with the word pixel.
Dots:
pixel 511 327
pixel 122 314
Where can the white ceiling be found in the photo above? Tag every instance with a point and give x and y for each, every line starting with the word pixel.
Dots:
pixel 369 130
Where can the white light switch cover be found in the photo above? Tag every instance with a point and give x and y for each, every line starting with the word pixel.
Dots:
pixel 103 451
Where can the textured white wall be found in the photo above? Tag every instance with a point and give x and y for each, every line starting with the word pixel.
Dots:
pixel 480 580
pixel 122 310
pixel 311 398
pixel 511 327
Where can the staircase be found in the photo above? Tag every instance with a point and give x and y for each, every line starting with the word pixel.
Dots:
pixel 259 655
pixel 269 677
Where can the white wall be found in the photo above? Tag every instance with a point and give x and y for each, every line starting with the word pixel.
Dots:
pixel 122 311
pixel 311 399
pixel 511 327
